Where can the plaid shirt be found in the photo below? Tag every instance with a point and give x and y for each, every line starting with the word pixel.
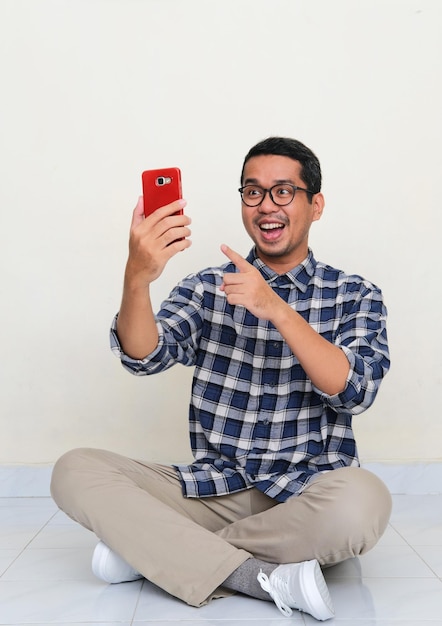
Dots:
pixel 256 420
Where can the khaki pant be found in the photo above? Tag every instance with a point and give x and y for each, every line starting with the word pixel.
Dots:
pixel 188 546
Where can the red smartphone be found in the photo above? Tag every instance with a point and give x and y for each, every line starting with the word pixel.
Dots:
pixel 161 187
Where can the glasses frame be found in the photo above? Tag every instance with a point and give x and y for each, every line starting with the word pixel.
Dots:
pixel 269 191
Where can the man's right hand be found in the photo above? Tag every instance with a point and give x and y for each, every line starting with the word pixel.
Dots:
pixel 154 240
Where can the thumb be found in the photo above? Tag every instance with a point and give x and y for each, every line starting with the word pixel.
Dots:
pixel 237 259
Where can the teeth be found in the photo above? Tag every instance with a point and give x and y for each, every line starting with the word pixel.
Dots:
pixel 270 226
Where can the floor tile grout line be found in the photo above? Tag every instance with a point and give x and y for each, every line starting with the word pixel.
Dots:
pixel 27 545
pixel 137 602
pixel 425 562
pixel 414 549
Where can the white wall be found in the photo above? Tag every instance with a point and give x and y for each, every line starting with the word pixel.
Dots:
pixel 95 91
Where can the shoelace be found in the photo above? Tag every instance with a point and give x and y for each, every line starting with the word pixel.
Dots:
pixel 264 581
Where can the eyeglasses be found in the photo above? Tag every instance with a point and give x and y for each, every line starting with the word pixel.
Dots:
pixel 280 194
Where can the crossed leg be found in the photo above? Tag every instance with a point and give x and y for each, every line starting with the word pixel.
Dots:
pixel 189 546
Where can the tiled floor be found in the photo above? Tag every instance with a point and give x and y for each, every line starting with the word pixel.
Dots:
pixel 45 577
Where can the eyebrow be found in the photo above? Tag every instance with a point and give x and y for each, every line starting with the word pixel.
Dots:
pixel 254 181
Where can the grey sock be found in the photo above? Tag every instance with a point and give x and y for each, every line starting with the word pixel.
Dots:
pixel 244 579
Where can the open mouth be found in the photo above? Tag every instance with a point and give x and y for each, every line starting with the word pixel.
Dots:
pixel 271 230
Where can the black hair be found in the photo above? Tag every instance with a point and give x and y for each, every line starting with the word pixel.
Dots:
pixel 294 149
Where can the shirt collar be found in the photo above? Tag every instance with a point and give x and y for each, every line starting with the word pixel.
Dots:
pixel 300 275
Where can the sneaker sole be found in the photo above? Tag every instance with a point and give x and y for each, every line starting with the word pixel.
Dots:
pixel 100 568
pixel 315 591
pixel 99 562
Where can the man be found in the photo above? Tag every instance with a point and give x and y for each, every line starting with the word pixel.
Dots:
pixel 286 350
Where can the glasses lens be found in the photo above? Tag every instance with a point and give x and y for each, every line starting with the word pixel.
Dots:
pixel 252 195
pixel 282 194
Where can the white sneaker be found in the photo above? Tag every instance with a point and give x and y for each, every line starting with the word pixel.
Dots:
pixel 110 567
pixel 299 586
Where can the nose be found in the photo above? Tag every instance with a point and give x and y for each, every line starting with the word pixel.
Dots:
pixel 267 205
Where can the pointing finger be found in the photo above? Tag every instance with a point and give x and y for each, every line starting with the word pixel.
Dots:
pixel 236 258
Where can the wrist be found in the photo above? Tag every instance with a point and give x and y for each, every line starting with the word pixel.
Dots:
pixel 134 278
pixel 283 314
pixel 135 283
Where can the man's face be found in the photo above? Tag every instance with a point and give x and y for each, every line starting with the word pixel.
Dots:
pixel 280 233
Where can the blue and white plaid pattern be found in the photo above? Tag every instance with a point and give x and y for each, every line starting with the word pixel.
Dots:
pixel 256 420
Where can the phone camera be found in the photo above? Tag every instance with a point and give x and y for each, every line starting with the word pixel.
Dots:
pixel 163 180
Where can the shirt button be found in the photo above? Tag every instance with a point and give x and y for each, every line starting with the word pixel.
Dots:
pixel 266 421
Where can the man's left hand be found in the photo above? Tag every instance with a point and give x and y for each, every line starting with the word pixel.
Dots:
pixel 248 288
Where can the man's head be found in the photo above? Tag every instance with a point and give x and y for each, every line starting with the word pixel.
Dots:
pixel 281 197
pixel 293 149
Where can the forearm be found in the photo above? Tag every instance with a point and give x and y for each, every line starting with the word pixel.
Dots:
pixel 324 363
pixel 136 327
pixel 152 242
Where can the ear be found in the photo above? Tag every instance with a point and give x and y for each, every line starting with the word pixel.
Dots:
pixel 318 203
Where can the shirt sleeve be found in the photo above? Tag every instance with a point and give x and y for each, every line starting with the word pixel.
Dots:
pixel 362 335
pixel 179 323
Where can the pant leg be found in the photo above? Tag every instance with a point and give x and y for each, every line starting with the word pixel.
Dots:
pixel 140 512
pixel 341 514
